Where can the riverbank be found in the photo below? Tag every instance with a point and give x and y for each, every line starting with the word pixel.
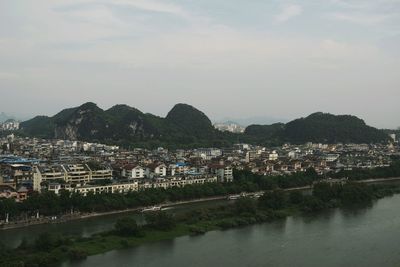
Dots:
pixel 82 216
pixel 47 249
pixel 377 180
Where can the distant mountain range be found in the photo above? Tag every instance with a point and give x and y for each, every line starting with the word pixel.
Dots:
pixel 185 126
pixel 5 117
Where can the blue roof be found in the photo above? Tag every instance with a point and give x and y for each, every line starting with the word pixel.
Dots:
pixel 16 160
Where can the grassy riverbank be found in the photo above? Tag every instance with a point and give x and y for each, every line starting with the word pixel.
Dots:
pixel 50 250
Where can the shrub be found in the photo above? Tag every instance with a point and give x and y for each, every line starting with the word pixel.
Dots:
pixel 127 226
pixel 161 220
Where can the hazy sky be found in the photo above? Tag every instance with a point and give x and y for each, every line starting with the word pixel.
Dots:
pixel 229 58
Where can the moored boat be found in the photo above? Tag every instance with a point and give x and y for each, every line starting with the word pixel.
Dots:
pixel 153 208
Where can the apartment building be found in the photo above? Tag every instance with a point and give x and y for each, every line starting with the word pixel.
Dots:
pixel 111 188
pixel 132 171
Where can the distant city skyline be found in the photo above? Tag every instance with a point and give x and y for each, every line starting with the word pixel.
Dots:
pixel 235 59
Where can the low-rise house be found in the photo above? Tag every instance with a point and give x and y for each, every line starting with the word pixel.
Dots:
pixel 22 193
pixel 57 187
pixel 8 192
pixel 180 168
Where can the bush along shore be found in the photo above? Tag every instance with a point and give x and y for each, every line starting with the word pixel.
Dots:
pixel 51 250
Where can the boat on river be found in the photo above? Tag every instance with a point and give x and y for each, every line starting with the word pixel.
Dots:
pixel 150 209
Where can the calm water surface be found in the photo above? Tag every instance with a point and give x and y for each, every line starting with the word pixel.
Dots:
pixel 365 237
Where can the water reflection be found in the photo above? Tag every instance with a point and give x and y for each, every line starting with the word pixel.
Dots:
pixel 325 215
pixel 357 210
pixel 335 238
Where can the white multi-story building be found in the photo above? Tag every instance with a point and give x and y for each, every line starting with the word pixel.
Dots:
pixel 9 125
pixel 133 172
pixel 181 181
pixel 393 137
pixel 273 155
pixel 331 157
pixel 208 153
pixel 70 173
pixel 111 188
pixel 156 170
pixel 224 173
pixel 229 127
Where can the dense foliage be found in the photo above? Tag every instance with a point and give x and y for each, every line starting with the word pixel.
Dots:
pixel 185 126
pixel 264 134
pixel 160 220
pixel 127 226
pixel 328 128
pixel 318 127
pixel 191 121
pixel 39 126
pixel 361 174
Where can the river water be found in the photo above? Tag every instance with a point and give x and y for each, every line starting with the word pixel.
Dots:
pixel 363 237
pixel 366 236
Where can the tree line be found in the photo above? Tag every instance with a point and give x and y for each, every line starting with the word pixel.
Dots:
pixel 49 204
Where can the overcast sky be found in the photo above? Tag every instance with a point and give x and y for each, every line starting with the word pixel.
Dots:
pixel 229 58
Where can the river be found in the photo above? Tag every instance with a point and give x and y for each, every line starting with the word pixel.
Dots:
pixel 88 226
pixel 363 237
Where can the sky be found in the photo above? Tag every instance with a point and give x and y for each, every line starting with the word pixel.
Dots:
pixel 228 58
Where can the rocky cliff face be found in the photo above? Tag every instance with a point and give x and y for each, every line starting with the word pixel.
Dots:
pixel 84 123
pixel 68 132
pixel 89 122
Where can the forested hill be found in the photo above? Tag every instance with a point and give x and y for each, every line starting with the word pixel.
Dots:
pixel 124 125
pixel 328 128
pixel 319 127
pixel 186 126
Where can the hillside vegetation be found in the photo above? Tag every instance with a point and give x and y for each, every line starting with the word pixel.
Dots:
pixel 186 126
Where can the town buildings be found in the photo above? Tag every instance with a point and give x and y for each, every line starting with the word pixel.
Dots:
pixel 9 125
pixel 31 164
